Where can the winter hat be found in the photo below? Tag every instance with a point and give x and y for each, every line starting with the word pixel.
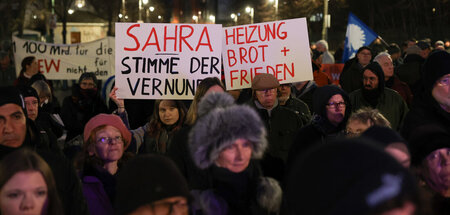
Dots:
pixel 426 139
pixel 146 179
pixel 11 95
pixel 264 81
pixel 436 66
pixel 351 176
pixel 221 122
pixel 107 119
pixel 383 135
pixel 439 43
pixel 386 137
pixel 29 92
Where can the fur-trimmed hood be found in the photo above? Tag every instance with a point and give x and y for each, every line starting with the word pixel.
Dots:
pixel 220 123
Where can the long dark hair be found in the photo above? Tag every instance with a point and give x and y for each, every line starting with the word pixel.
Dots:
pixel 26 62
pixel 24 160
pixel 156 123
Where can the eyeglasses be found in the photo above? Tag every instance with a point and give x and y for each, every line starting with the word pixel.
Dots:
pixel 169 207
pixel 336 105
pixel 444 81
pixel 109 140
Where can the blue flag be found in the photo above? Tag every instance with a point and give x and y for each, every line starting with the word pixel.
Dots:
pixel 358 35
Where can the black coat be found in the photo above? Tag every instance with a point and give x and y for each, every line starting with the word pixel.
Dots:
pixel 424 111
pixel 78 109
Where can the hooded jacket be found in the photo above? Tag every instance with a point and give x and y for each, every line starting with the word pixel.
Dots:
pixel 425 110
pixel 387 101
pixel 320 130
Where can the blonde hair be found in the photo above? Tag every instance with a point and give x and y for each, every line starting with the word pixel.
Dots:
pixel 202 88
pixel 371 116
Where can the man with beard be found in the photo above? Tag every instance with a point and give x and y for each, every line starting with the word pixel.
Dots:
pixel 281 124
pixel 298 106
pixel 374 94
pixel 84 103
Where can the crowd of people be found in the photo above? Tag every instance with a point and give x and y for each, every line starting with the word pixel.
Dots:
pixel 377 143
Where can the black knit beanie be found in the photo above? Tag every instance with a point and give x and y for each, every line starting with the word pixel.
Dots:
pixel 351 176
pixel 146 179
pixel 436 66
pixel 27 91
pixel 426 139
pixel 11 95
pixel 383 135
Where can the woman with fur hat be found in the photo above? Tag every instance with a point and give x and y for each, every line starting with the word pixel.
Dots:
pixel 224 142
pixel 106 138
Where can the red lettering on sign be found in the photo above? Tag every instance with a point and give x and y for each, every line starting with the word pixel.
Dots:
pixel 134 38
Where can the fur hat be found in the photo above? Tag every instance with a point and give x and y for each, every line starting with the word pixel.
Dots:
pixel 107 119
pixel 11 95
pixel 348 176
pixel 221 122
pixel 146 179
pixel 264 81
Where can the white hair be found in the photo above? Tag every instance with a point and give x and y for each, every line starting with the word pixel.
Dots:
pixel 324 43
pixel 381 54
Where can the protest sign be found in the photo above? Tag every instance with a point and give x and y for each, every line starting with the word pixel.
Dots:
pixel 165 61
pixel 63 62
pixel 280 48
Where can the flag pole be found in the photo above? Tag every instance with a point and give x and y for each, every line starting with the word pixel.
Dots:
pixel 384 42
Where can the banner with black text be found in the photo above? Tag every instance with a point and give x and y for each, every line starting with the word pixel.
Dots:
pixel 65 62
pixel 165 61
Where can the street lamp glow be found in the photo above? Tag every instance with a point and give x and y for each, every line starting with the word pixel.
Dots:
pixel 212 18
pixel 126 16
pixel 145 1
pixel 233 15
pixel 70 11
pixel 151 9
pixel 120 15
pixel 248 9
pixel 159 17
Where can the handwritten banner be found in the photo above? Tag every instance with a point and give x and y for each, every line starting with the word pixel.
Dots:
pixel 63 62
pixel 165 61
pixel 280 48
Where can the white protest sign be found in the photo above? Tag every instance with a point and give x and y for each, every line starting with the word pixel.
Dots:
pixel 280 48
pixel 63 62
pixel 165 61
